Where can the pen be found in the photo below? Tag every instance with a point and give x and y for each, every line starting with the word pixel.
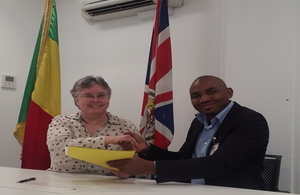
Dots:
pixel 26 180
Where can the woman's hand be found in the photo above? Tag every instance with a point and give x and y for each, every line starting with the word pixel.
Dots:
pixel 126 141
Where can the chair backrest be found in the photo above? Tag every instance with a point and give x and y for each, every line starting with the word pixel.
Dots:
pixel 271 171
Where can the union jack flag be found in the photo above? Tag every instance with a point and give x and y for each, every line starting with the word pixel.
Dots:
pixel 157 122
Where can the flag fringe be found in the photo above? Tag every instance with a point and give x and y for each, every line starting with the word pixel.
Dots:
pixel 19 132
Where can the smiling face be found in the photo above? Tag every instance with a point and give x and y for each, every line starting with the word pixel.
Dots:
pixel 92 100
pixel 210 95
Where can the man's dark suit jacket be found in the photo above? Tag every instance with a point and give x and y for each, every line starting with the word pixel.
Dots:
pixel 242 140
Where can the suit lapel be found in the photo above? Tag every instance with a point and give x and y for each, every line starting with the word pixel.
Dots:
pixel 227 122
pixel 194 133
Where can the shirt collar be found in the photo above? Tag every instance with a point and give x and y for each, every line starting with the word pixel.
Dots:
pixel 220 117
pixel 111 118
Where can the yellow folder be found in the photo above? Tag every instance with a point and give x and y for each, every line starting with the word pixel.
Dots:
pixel 97 156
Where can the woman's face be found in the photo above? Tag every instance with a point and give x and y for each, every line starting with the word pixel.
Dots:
pixel 93 100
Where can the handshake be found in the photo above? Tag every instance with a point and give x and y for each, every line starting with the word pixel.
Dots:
pixel 132 141
pixel 135 165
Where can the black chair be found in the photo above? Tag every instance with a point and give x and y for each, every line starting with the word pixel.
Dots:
pixel 271 171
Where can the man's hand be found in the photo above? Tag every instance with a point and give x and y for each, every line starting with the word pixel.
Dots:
pixel 139 141
pixel 134 166
pixel 120 174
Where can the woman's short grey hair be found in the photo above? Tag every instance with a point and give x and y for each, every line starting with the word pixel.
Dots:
pixel 88 81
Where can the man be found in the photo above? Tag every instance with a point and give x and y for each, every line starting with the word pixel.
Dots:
pixel 225 145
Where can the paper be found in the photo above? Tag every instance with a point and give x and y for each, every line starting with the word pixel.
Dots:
pixel 97 156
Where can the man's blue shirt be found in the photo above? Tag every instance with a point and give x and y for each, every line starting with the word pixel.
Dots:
pixel 209 130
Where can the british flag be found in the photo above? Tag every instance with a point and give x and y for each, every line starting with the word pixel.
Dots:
pixel 157 122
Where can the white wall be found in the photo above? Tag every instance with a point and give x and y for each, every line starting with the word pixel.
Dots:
pixel 18 34
pixel 260 43
pixel 295 160
pixel 252 44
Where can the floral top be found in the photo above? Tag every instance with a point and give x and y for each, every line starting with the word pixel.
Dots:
pixel 70 130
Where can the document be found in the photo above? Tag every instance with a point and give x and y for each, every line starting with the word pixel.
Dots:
pixel 97 156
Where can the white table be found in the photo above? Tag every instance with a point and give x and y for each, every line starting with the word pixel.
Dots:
pixel 49 183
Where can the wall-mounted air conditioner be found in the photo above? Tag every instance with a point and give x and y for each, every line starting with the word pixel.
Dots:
pixel 100 10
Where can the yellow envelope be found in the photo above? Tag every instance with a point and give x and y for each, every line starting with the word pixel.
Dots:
pixel 97 156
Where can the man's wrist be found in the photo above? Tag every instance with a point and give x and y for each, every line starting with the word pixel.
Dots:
pixel 145 151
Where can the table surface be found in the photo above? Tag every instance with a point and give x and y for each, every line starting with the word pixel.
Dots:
pixel 48 183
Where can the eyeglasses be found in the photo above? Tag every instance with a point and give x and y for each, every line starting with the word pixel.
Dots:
pixel 91 96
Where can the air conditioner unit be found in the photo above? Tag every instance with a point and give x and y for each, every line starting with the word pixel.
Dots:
pixel 100 10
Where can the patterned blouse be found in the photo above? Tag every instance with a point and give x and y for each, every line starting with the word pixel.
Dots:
pixel 70 130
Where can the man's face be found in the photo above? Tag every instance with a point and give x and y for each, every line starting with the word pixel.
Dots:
pixel 209 95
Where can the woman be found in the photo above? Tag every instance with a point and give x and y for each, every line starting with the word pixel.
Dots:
pixel 91 127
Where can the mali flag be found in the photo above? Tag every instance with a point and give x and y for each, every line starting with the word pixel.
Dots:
pixel 42 98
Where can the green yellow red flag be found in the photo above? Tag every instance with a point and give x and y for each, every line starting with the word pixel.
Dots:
pixel 42 94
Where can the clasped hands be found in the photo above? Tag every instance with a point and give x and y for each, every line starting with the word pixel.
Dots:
pixel 135 165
